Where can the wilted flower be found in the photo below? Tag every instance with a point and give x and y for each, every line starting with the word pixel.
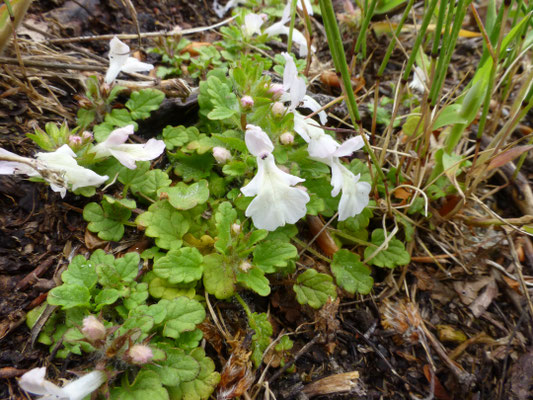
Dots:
pixel 58 168
pixel 419 80
pixel 221 154
pixel 33 381
pixel 120 60
pixel 127 154
pixel 140 354
pixel 295 90
pixel 247 101
pixel 286 138
pixel 93 329
pixel 276 202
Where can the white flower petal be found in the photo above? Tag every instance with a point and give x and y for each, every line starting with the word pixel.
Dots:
pixel 337 176
pixel 134 65
pixel 290 72
pixel 322 146
pixel 419 79
pixel 257 141
pixel 33 380
pixel 118 56
pixel 299 38
pixel 81 387
pixel 300 126
pixel 308 6
pixel 252 24
pixel 354 199
pixel 314 106
pixel 349 147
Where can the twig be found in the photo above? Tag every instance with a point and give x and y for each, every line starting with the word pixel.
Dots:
pixel 52 65
pixel 125 36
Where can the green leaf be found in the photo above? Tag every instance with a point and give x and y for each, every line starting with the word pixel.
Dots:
pixel 143 180
pixel 178 367
pixel 106 297
pixel 203 385
pixel 224 218
pixel 177 136
pixel 254 279
pixel 119 117
pixel 314 288
pixel 261 339
pixel 127 266
pixel 143 102
pixel 194 166
pixel 234 168
pixel 164 223
pixel 219 279
pixel 80 272
pixel 147 385
pixel 69 296
pixel 272 254
pixel 182 315
pixel 109 218
pixel 162 289
pixel 220 113
pixel 185 197
pixel 180 266
pixel 393 255
pixel 355 224
pixel 350 273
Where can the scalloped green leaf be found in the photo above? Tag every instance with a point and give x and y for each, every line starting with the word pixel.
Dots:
pixel 147 385
pixel 390 257
pixel 272 254
pixel 80 272
pixel 350 273
pixel 183 314
pixel 143 102
pixel 219 279
pixel 180 266
pixel 69 296
pixel 185 197
pixel 314 288
pixel 164 223
pixel 254 279
pixel 224 218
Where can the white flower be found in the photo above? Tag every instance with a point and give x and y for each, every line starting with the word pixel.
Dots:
pixel 419 80
pixel 33 381
pixel 277 202
pixel 355 194
pixel 252 24
pixel 120 60
pixel 324 148
pixel 294 90
pixel 126 153
pixel 280 28
pixel 58 168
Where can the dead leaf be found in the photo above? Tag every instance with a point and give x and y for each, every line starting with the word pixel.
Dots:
pixel 324 239
pixel 439 391
pixel 448 334
pixel 339 383
pixel 507 156
pixel 482 302
pixel 468 291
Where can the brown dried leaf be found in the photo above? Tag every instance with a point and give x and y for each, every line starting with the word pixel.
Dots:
pixel 506 156
pixel 339 383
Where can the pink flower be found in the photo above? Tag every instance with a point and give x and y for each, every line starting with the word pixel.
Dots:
pixel 140 354
pixel 247 102
pixel 93 329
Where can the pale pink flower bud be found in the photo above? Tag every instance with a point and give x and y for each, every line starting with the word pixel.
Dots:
pixel 74 141
pixel 87 136
pixel 247 102
pixel 93 329
pixel 140 354
pixel 236 228
pixel 276 90
pixel 278 109
pixel 221 154
pixel 263 16
pixel 286 138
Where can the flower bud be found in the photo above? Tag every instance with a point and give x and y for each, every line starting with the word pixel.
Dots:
pixel 286 138
pixel 87 136
pixel 247 102
pixel 276 90
pixel 74 141
pixel 278 109
pixel 140 354
pixel 245 266
pixel 93 329
pixel 236 228
pixel 221 154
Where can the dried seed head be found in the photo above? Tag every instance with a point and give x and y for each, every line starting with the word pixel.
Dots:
pixel 404 318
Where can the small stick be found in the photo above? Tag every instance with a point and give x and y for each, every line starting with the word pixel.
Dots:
pixel 33 276
pixel 52 65
pixel 125 36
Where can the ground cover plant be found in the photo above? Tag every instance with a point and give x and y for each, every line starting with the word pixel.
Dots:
pixel 309 198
